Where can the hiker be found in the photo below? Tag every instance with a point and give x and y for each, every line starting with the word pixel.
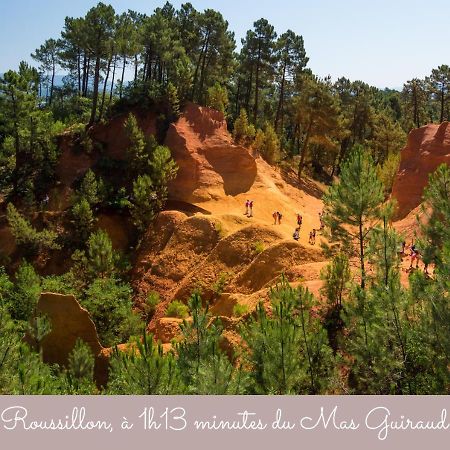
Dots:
pixel 279 217
pixel 250 208
pixel 322 225
pixel 275 217
pixel 299 220
pixel 415 255
pixel 247 205
pixel 296 234
pixel 312 237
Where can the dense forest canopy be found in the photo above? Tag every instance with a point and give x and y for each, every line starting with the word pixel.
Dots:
pixel 345 133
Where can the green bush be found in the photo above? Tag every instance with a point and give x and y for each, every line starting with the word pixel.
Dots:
pixel 109 304
pixel 100 256
pixel 25 295
pixel 240 310
pixel 258 247
pixel 151 302
pixel 83 220
pixel 217 98
pixel 243 132
pixel 221 282
pixel 26 235
pixel 177 309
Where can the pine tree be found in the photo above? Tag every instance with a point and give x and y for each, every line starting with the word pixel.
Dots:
pixel 27 288
pixel 352 205
pixel 100 254
pixel 136 150
pixel 217 98
pixel 83 219
pixel 318 116
pixel 292 59
pixel 287 351
pixel 415 99
pixel 204 367
pixel 144 203
pixel 440 86
pixel 242 130
pixel 89 188
pixel 144 369
pixel 99 27
pixel 80 372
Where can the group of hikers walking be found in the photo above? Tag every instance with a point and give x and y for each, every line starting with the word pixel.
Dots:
pixel 278 216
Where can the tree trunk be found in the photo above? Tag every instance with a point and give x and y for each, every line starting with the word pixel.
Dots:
pixel 204 67
pixel 361 255
pixel 52 83
pixel 84 75
pixel 86 87
pixel 112 79
pixel 95 92
pixel 123 75
pixel 197 66
pixel 105 83
pixel 281 100
pixel 304 150
pixel 79 72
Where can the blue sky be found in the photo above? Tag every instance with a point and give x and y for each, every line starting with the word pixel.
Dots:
pixel 381 42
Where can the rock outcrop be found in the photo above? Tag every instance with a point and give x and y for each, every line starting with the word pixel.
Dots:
pixel 426 149
pixel 69 322
pixel 210 164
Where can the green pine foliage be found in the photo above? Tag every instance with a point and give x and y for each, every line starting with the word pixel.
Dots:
pixel 204 368
pixel 352 204
pixel 144 370
pixel 27 236
pixel 109 304
pixel 288 350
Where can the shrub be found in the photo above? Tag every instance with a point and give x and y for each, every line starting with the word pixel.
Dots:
pixel 240 310
pixel 219 286
pixel 27 288
pixel 83 220
pixel 101 258
pixel 270 149
pixel 217 98
pixel 219 229
pixel 151 302
pixel 144 204
pixel 258 143
pixel 258 247
pixel 388 171
pixel 89 188
pixel 177 309
pixel 109 303
pixel 242 130
pixel 26 235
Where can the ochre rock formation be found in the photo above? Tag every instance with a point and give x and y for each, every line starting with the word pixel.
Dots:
pixel 426 149
pixel 210 164
pixel 69 322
